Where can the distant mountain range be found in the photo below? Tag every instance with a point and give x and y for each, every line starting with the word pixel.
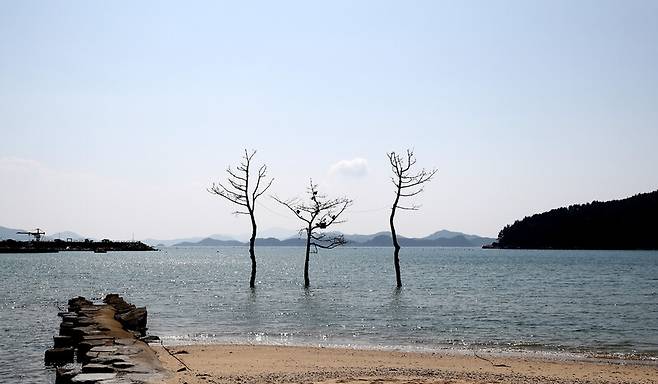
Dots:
pixel 170 242
pixel 10 233
pixel 279 233
pixel 381 239
pixel 283 237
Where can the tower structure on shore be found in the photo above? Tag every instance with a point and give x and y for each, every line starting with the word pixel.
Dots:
pixel 37 233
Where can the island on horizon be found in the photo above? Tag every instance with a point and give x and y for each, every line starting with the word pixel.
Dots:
pixel 625 224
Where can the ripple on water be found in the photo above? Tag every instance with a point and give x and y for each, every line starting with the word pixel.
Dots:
pixel 550 302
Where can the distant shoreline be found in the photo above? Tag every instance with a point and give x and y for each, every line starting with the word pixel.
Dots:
pixel 375 241
pixel 55 246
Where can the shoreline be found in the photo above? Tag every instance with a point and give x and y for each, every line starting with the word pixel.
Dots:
pixel 537 352
pixel 250 363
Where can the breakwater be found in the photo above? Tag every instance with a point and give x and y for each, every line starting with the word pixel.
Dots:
pixel 103 343
pixel 13 246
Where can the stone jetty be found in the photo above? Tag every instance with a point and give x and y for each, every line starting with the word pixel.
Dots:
pixel 104 343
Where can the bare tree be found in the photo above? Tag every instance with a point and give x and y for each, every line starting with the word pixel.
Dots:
pixel 408 183
pixel 318 213
pixel 239 192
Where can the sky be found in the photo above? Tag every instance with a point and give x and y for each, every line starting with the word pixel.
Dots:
pixel 115 117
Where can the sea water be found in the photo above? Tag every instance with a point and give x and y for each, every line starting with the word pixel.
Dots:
pixel 462 299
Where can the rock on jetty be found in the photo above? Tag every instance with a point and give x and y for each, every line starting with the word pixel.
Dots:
pixel 103 343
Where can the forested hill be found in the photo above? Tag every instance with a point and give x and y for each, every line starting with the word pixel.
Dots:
pixel 630 223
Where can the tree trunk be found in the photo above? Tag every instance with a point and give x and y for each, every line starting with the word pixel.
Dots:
pixel 396 245
pixel 308 249
pixel 252 254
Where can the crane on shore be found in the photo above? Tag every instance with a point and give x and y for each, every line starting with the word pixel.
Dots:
pixel 37 233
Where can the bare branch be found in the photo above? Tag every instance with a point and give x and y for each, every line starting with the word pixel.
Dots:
pixel 248 156
pixel 410 161
pixel 238 187
pixel 294 206
pixel 221 190
pixel 320 236
pixel 404 179
pixel 262 169
pixel 237 190
pixel 409 194
pixel 331 243
pixel 413 208
pixel 421 178
pixel 234 175
pixel 262 173
pixel 258 194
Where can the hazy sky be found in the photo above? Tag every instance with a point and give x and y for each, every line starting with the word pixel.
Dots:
pixel 116 116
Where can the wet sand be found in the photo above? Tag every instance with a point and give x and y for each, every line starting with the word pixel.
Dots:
pixel 239 364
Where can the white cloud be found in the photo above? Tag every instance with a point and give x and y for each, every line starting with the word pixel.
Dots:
pixel 18 164
pixel 356 167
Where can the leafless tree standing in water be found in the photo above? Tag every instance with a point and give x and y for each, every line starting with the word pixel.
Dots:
pixel 239 192
pixel 319 213
pixel 408 183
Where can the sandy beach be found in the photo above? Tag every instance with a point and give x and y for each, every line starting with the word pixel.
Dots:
pixel 276 364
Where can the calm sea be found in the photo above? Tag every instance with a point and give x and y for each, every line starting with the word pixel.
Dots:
pixel 579 302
